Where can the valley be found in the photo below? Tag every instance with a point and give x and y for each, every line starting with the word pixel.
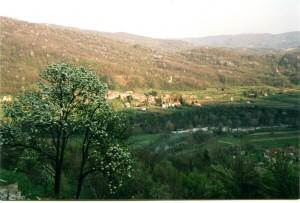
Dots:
pixel 202 118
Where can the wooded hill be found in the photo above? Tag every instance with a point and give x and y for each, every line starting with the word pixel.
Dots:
pixel 127 61
pixel 277 41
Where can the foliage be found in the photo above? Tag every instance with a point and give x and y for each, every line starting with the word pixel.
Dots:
pixel 191 165
pixel 160 191
pixel 70 104
pixel 231 116
pixel 283 177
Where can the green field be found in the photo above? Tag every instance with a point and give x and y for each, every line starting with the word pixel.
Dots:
pixel 258 140
pixel 139 141
pixel 291 98
pixel 280 100
pixel 290 141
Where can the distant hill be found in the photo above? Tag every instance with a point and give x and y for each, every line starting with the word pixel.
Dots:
pixel 153 43
pixel 163 44
pixel 278 41
pixel 127 61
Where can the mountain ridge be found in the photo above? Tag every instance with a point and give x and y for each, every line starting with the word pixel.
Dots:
pixel 243 40
pixel 250 40
pixel 26 49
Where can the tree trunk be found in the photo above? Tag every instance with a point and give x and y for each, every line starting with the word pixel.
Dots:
pixel 79 186
pixel 46 186
pixel 57 181
pixel 58 173
pixel 81 175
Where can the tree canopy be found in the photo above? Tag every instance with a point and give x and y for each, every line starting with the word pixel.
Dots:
pixel 70 105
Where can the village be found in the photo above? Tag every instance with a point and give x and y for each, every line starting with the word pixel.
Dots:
pixel 134 99
pixel 142 101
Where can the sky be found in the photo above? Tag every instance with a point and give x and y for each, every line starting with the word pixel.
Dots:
pixel 162 18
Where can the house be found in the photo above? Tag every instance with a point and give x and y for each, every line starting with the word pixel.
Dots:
pixel 197 104
pixel 7 98
pixel 135 96
pixel 175 104
pixel 165 105
pixel 166 97
pixel 151 99
pixel 141 98
pixel 170 104
pixel 113 94
pixel 123 95
pixel 127 104
pixel 129 92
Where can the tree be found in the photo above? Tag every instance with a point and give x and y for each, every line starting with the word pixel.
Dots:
pixel 147 99
pixel 129 99
pixel 103 150
pixel 153 93
pixel 164 173
pixel 69 104
pixel 253 123
pixel 206 157
pixel 194 185
pixel 181 100
pixel 160 191
pixel 240 180
pixel 282 177
pixel 158 101
pixel 169 126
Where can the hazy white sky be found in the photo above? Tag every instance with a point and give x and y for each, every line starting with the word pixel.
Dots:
pixel 162 18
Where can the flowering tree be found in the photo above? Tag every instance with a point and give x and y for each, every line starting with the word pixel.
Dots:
pixel 70 104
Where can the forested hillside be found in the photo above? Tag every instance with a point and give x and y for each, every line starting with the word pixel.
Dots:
pixel 27 48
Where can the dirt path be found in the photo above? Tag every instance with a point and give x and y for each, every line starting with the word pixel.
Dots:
pixel 275 138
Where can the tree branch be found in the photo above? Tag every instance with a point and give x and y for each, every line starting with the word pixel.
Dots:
pixel 34 148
